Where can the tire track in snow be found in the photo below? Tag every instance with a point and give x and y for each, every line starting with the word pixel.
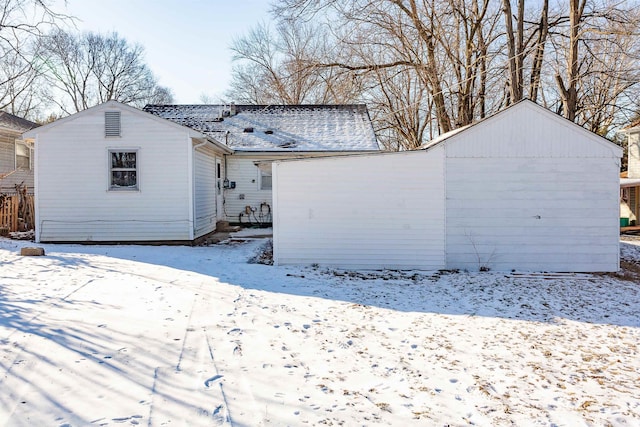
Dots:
pixel 193 386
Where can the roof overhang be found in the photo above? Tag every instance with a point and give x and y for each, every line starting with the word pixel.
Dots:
pixel 207 139
pixel 629 182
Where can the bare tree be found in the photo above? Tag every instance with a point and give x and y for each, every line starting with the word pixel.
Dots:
pixel 22 23
pixel 599 46
pixel 19 84
pixel 89 69
pixel 400 109
pixel 442 43
pixel 281 66
pixel 463 59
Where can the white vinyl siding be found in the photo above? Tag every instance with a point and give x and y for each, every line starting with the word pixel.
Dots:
pixel 79 207
pixel 205 191
pixel 532 214
pixel 527 130
pixel 243 170
pixel 524 190
pixel 361 211
pixel 633 165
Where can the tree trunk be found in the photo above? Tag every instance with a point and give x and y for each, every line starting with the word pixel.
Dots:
pixel 569 89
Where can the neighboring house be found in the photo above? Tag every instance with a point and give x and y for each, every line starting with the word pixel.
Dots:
pixel 16 160
pixel 524 189
pixel 260 134
pixel 113 173
pixel 630 183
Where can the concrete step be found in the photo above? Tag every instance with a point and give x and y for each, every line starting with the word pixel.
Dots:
pixel 224 227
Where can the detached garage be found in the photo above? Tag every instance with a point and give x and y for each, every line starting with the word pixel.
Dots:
pixel 524 189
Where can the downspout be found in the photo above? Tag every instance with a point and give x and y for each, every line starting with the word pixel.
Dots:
pixel 226 177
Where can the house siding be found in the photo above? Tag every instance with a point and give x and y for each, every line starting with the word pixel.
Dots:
pixel 73 200
pixel 633 165
pixel 361 211
pixel 205 190
pixel 8 163
pixel 243 171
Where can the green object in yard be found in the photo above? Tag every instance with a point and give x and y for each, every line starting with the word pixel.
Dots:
pixel 624 222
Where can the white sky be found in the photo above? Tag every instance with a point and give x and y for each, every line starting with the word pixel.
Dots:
pixel 186 42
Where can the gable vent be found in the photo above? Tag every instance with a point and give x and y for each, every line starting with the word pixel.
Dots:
pixel 112 123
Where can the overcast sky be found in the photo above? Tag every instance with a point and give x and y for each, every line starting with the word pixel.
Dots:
pixel 186 41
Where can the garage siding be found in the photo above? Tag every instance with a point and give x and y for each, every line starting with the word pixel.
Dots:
pixel 367 212
pixel 522 190
pixel 532 214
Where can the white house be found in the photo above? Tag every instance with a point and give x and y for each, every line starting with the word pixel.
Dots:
pixel 113 173
pixel 524 189
pixel 260 134
pixel 630 184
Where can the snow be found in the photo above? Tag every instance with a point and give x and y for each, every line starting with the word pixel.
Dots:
pixel 159 335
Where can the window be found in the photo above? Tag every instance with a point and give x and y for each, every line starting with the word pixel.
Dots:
pixel 23 155
pixel 264 170
pixel 112 123
pixel 123 170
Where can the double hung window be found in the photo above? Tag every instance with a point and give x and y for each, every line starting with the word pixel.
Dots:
pixel 123 170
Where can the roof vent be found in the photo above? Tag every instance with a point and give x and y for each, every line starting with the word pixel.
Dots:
pixel 112 124
pixel 229 110
pixel 289 144
pixel 248 130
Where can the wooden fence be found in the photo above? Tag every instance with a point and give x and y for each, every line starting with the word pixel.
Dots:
pixel 17 212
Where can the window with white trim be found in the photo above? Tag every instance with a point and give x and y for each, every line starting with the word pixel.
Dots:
pixel 23 155
pixel 123 169
pixel 264 175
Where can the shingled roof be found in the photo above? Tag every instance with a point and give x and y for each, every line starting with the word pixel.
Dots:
pixel 16 123
pixel 277 127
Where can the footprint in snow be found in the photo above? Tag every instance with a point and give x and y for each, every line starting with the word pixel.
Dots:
pixel 212 380
pixel 237 351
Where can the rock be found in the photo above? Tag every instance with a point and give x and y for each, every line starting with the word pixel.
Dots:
pixel 32 251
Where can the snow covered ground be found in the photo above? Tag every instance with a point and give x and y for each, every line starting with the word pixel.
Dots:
pixel 157 335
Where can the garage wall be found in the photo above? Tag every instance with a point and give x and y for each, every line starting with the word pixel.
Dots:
pixel 367 212
pixel 522 190
pixel 529 190
pixel 242 169
pixel 532 214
